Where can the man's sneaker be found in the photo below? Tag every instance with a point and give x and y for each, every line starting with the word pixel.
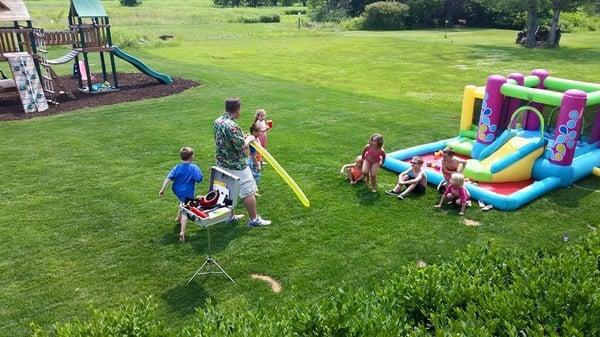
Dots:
pixel 258 222
pixel 391 192
pixel 235 218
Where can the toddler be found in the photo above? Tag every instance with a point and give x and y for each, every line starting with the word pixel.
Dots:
pixel 457 192
pixel 260 119
pixel 184 176
pixel 353 171
pixel 373 157
pixel 254 158
pixel 405 184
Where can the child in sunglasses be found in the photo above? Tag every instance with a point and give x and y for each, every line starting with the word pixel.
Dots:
pixel 406 184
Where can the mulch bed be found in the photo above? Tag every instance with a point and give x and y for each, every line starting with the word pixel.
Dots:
pixel 132 87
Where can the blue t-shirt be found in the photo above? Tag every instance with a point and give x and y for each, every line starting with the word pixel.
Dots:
pixel 184 177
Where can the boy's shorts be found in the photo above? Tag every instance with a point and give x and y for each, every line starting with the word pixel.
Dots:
pixel 420 189
pixel 247 183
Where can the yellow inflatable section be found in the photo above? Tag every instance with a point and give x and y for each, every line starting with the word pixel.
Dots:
pixel 282 173
pixel 521 169
pixel 596 171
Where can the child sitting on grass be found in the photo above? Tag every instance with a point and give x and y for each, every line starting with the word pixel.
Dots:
pixel 456 192
pixel 353 171
pixel 405 184
pixel 184 176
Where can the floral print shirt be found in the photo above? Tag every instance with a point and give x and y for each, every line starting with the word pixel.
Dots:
pixel 229 142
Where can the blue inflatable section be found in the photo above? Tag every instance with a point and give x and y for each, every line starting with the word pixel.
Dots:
pixel 547 176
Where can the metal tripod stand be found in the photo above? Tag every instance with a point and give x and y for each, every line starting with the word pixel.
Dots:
pixel 209 262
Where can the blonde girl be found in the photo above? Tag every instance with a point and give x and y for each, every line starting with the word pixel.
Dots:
pixel 457 192
pixel 260 119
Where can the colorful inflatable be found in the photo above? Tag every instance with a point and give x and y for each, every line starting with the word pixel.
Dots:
pixel 528 138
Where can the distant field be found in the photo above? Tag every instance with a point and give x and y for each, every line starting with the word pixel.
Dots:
pixel 82 226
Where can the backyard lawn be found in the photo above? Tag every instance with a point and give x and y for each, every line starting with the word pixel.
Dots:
pixel 81 224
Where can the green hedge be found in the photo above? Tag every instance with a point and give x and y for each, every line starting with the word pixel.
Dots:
pixel 483 291
pixel 259 19
pixel 130 3
pixel 385 15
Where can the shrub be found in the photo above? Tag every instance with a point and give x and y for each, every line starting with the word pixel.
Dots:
pixel 325 14
pixel 269 18
pixel 130 3
pixel 385 16
pixel 483 291
pixel 258 19
pixel 571 22
pixel 295 11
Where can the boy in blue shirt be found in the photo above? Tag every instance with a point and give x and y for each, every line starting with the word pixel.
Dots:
pixel 184 177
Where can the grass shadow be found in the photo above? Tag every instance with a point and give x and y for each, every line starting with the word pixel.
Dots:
pixel 185 298
pixel 171 237
pixel 570 197
pixel 366 197
pixel 220 236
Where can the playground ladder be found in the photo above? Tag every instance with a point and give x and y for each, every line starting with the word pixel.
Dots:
pixel 49 76
pixel 47 81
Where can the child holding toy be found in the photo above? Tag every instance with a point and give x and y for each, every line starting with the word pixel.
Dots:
pixel 373 157
pixel 456 192
pixel 353 171
pixel 405 185
pixel 450 165
pixel 260 119
pixel 184 176
pixel 254 158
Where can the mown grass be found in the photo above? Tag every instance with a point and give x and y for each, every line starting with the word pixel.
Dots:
pixel 81 224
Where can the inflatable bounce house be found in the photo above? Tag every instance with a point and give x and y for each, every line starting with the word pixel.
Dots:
pixel 533 134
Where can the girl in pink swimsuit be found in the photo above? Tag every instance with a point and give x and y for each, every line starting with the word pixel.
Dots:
pixel 456 191
pixel 373 157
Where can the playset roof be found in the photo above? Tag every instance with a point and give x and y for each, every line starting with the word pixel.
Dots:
pixel 13 10
pixel 87 8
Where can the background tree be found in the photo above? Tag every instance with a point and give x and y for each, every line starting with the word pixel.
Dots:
pixel 559 6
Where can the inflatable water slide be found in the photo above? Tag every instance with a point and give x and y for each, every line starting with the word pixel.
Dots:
pixel 514 154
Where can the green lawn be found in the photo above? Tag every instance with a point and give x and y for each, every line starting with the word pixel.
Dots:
pixel 81 223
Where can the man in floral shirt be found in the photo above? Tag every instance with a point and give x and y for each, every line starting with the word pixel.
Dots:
pixel 231 156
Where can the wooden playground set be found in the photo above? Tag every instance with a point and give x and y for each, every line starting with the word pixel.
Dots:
pixel 24 47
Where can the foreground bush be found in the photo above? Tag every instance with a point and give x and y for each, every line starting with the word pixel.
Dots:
pixel 483 291
pixel 385 15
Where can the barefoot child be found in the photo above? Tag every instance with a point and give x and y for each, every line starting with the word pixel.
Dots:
pixel 457 192
pixel 254 158
pixel 405 184
pixel 373 157
pixel 450 164
pixel 184 177
pixel 260 119
pixel 353 171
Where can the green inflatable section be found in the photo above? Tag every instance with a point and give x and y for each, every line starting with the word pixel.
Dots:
pixel 141 66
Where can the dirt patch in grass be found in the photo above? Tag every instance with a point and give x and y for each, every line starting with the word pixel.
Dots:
pixel 132 87
pixel 275 286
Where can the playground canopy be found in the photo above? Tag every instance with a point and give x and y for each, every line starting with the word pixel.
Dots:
pixel 13 10
pixel 87 9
